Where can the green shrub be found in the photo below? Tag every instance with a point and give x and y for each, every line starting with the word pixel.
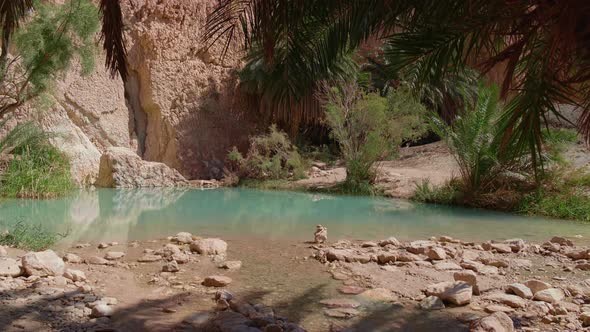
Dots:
pixel 38 170
pixel 565 203
pixel 426 193
pixel 369 128
pixel 29 237
pixel 270 157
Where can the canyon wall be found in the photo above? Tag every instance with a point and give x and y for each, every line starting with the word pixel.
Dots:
pixel 179 105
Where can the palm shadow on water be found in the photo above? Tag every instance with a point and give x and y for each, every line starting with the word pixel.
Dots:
pixel 149 316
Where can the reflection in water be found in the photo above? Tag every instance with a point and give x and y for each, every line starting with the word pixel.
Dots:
pixel 122 215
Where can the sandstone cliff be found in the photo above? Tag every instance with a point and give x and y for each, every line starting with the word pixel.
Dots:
pixel 178 107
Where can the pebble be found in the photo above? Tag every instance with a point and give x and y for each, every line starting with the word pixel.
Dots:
pixel 114 255
pixel 216 281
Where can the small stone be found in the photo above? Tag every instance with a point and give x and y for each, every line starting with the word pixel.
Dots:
pixel 389 241
pixel 72 258
pixel 408 257
pixel 516 245
pixel 183 237
pixel 95 260
pixel 502 248
pixel 216 281
pixel 420 246
pixel 550 295
pixel 536 285
pixel 340 303
pixel 509 300
pixel 447 266
pixel 457 292
pixel 231 265
pixel 436 253
pixel 469 277
pixel 520 290
pixel 103 245
pixel 432 303
pixel 496 322
pixel 114 255
pixel 210 246
pixel 102 310
pixel 171 267
pixel 149 258
pixel 75 275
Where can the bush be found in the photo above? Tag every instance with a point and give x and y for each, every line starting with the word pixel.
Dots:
pixel 369 128
pixel 38 170
pixel 270 157
pixel 427 193
pixel 29 237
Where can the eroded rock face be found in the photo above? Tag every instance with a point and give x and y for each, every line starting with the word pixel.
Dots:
pixel 123 168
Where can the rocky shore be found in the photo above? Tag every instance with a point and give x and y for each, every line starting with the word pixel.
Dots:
pixel 492 286
pixel 189 283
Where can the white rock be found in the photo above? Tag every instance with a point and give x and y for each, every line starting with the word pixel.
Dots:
pixel 521 290
pixel 457 292
pixel 75 275
pixel 536 285
pixel 9 267
pixel 210 246
pixel 102 310
pixel 43 263
pixel 550 295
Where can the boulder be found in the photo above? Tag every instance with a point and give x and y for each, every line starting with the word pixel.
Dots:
pixel 496 322
pixel 216 281
pixel 520 290
pixel 43 263
pixel 457 292
pixel 121 167
pixel 210 246
pixel 436 253
pixel 183 237
pixel 75 275
pixel 536 285
pixel 550 295
pixel 9 267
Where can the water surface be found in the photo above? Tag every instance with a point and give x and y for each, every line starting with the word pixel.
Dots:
pixel 122 215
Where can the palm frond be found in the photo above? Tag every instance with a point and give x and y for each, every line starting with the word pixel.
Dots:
pixel 12 12
pixel 113 38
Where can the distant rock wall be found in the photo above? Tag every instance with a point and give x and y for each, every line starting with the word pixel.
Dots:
pixel 178 107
